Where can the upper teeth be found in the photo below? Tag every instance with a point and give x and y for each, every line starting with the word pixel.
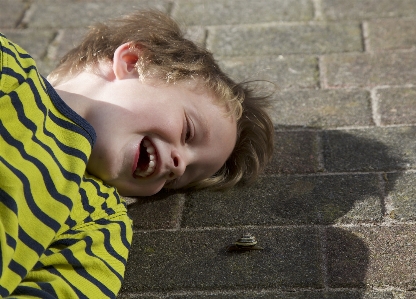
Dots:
pixel 152 163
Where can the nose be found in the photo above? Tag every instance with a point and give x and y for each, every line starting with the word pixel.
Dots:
pixel 177 166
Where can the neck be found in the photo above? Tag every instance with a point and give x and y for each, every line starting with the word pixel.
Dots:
pixel 81 91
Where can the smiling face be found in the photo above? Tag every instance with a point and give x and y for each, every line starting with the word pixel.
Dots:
pixel 150 134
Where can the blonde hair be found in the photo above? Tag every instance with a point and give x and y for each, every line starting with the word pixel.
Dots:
pixel 166 54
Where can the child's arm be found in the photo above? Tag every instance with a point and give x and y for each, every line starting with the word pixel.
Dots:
pixel 87 262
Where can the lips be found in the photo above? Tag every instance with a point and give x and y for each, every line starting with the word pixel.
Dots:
pixel 147 160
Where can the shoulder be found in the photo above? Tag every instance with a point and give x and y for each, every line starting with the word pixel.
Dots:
pixel 15 65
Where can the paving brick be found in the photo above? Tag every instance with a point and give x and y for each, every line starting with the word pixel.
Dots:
pixel 67 39
pixel 11 13
pixel 410 295
pixel 189 260
pixel 45 67
pixel 372 149
pixel 138 296
pixel 295 152
pixel 160 211
pixel 277 295
pixel 64 41
pixel 74 13
pixel 361 256
pixel 197 34
pixel 35 42
pixel 388 34
pixel 286 200
pixel 347 258
pixel 397 105
pixel 218 12
pixel 322 108
pixel 366 9
pixel 267 294
pixel 368 70
pixel 267 39
pixel 286 72
pixel 402 191
pixel 345 294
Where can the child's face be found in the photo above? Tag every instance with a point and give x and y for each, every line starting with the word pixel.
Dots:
pixel 150 133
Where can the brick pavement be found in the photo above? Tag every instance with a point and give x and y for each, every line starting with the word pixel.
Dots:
pixel 336 209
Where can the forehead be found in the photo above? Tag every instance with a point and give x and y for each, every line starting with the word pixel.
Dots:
pixel 199 87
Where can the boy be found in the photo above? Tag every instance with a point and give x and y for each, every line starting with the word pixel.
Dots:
pixel 134 108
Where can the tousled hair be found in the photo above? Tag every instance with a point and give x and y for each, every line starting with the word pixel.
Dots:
pixel 166 54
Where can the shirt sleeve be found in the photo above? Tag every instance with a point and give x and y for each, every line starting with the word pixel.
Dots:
pixel 87 261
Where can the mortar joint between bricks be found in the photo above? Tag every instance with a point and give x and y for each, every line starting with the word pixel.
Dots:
pixel 24 21
pixel 52 50
pixel 317 9
pixel 365 37
pixel 320 152
pixel 323 83
pixel 375 107
pixel 171 5
pixel 179 215
pixel 324 252
pixel 382 178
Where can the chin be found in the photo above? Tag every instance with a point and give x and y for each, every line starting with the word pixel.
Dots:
pixel 138 191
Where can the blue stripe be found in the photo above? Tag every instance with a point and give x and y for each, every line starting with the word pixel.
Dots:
pixel 69 126
pixel 123 233
pixel 24 56
pixel 36 211
pixel 65 148
pixel 17 104
pixel 65 242
pixel 42 168
pixel 17 268
pixel 11 241
pixel 79 268
pixel 116 195
pixel 48 288
pixel 10 72
pixel 3 292
pixel 109 247
pixel 8 201
pixel 86 201
pixel 88 249
pixel 52 270
pixel 97 187
pixel 33 292
pixel 1 269
pixel 71 114
pixel 70 222
pixel 30 242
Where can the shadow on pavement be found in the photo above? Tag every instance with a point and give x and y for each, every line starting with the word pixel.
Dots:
pixel 293 207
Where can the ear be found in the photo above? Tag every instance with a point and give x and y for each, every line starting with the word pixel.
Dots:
pixel 124 61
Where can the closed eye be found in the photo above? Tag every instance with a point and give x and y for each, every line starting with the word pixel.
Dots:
pixel 189 130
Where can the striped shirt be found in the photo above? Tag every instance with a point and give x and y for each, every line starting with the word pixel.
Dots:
pixel 63 232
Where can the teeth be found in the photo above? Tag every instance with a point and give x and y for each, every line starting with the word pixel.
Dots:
pixel 152 160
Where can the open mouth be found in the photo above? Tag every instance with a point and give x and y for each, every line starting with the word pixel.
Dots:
pixel 146 163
